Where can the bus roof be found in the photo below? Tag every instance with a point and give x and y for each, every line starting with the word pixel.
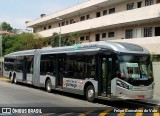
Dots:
pixel 92 46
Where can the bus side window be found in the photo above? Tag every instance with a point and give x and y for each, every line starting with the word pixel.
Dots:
pixel 18 65
pixel 48 65
pixel 43 65
pixel 8 64
pixel 91 66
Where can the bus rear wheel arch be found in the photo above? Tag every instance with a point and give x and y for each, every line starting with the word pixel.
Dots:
pixel 10 75
pixel 48 85
pixel 90 92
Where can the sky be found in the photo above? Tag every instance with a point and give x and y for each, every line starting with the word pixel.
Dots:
pixel 16 12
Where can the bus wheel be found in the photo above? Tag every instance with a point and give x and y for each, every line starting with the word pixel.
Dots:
pixel 14 79
pixel 10 75
pixel 90 93
pixel 48 86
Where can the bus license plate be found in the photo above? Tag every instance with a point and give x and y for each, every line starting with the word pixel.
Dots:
pixel 141 96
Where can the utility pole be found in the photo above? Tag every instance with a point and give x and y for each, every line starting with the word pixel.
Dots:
pixel 1 47
pixel 60 30
pixel 1 55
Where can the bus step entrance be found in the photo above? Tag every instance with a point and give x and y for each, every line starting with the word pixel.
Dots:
pixel 104 98
pixel 59 88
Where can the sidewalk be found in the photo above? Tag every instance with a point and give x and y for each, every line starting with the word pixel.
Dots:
pixel 3 79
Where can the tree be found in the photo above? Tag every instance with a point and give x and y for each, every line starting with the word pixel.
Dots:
pixel 65 40
pixel 24 41
pixel 6 26
pixel 55 40
pixel 74 37
pixel 154 57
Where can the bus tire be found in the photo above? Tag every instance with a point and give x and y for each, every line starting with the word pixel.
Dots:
pixel 90 93
pixel 14 79
pixel 10 75
pixel 48 86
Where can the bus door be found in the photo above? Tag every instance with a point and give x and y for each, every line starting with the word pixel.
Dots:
pixel 27 69
pixel 105 76
pixel 60 71
pixel 24 69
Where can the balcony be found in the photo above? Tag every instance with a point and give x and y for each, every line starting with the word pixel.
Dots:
pixel 136 16
pixel 87 6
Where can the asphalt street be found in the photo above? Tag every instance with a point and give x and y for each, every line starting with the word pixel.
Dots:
pixel 18 95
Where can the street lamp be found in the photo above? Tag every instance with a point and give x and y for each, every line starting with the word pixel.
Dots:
pixel 60 30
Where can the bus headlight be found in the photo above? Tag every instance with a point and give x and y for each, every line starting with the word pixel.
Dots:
pixel 122 84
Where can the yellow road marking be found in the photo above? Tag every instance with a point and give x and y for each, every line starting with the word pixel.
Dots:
pixel 105 112
pixel 156 113
pixel 122 113
pixel 139 113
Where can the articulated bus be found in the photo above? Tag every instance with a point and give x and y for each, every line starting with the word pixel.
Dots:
pixel 103 70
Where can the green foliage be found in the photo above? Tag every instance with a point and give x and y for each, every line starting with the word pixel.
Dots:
pixel 55 40
pixel 6 26
pixel 24 41
pixel 74 37
pixel 65 41
pixel 154 57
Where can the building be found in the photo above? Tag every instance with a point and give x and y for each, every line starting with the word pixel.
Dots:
pixel 133 21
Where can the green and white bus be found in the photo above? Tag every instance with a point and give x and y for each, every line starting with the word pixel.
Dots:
pixel 103 70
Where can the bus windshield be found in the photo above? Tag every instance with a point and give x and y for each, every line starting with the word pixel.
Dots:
pixel 135 67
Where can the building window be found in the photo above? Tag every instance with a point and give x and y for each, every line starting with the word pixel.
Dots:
pixel 98 14
pixel 71 21
pixel 103 35
pixel 130 6
pixel 157 31
pixel 111 34
pixel 104 12
pixel 66 22
pixel 139 4
pixel 34 30
pixel 129 33
pixel 63 23
pixel 82 38
pixel 148 2
pixel 148 32
pixel 97 37
pixel 87 17
pixel 82 18
pixel 49 27
pixel 112 10
pixel 87 37
pixel 44 28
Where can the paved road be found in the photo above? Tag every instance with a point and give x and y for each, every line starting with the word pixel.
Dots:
pixel 25 96
pixel 12 95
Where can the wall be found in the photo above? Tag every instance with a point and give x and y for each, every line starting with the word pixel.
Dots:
pixel 156 74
